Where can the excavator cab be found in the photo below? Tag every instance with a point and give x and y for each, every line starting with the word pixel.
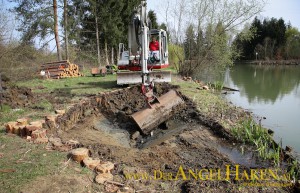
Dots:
pixel 158 59
pixel 129 63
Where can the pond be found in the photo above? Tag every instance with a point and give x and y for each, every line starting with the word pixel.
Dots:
pixel 272 92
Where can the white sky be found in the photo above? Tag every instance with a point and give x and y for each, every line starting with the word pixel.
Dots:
pixel 289 10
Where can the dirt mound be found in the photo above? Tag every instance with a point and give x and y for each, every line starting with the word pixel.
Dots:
pixel 16 96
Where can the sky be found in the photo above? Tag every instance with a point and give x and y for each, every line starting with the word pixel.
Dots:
pixel 289 10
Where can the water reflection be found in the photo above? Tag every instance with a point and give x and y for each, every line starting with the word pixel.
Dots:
pixel 272 92
pixel 265 83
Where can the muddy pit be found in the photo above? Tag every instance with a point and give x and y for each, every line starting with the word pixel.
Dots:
pixel 188 139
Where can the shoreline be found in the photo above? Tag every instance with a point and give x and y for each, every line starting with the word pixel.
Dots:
pixel 270 62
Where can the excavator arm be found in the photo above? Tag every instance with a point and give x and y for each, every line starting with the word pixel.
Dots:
pixel 159 109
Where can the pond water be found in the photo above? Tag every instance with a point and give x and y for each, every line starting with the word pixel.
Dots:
pixel 272 92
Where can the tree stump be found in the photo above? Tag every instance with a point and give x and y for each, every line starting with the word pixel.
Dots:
pixel 79 154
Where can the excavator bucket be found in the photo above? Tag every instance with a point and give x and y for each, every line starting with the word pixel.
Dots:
pixel 167 106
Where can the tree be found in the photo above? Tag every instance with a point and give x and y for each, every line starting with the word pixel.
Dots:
pixel 37 19
pixel 56 30
pixel 152 17
pixel 216 22
pixel 190 44
pixel 268 33
pixel 113 17
pixel 292 47
pixel 66 29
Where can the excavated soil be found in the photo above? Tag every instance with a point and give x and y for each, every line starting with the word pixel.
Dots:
pixel 16 97
pixel 188 139
pixel 103 124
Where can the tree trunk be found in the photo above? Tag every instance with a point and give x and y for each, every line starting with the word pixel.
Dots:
pixel 112 55
pixel 97 40
pixel 56 30
pixel 66 30
pixel 106 53
pixel 0 83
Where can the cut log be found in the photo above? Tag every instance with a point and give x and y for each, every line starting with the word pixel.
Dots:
pixel 22 121
pixel 38 123
pixel 30 128
pixel 80 154
pixel 101 178
pixel 91 163
pixel 40 133
pixel 105 167
pixel 9 127
pixel 16 129
pixel 61 69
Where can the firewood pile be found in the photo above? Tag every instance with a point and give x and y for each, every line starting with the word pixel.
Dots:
pixel 60 69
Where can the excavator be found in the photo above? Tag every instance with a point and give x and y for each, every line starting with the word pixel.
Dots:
pixel 139 65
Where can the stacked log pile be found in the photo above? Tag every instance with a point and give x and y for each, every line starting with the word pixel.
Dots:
pixel 60 69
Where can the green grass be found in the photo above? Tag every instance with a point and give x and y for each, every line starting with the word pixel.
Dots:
pixel 24 161
pixel 8 114
pixel 72 86
pixel 217 85
pixel 44 105
pixel 208 103
pixel 250 132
